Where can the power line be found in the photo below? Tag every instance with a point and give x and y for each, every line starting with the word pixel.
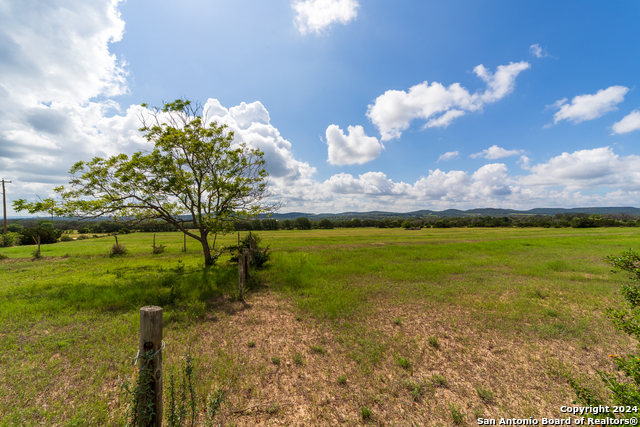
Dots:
pixel 4 204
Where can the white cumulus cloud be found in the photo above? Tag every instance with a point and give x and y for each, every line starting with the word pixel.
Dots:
pixel 587 169
pixel 629 123
pixel 393 111
pixel 56 67
pixel 495 152
pixel 313 16
pixel 251 124
pixel 537 51
pixel 595 177
pixel 356 147
pixel 589 107
pixel 449 155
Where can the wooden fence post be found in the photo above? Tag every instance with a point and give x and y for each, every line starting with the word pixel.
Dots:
pixel 240 274
pixel 116 236
pixel 185 244
pixel 247 258
pixel 151 339
pixel 251 245
pixel 38 244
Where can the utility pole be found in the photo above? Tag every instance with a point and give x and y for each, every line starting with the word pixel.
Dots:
pixel 4 204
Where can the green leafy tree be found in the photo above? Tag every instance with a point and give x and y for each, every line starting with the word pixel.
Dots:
pixel 196 178
pixel 48 205
pixel 325 223
pixel 302 223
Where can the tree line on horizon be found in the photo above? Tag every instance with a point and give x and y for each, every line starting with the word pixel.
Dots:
pixel 573 220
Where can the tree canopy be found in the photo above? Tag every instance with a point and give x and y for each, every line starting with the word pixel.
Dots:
pixel 196 178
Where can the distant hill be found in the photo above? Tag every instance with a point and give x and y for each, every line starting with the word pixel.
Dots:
pixel 449 213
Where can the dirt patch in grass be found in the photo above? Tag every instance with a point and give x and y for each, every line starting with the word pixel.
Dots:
pixel 412 371
pixel 414 363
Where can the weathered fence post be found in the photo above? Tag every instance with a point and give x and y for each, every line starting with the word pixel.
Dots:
pixel 247 258
pixel 251 245
pixel 185 244
pixel 38 244
pixel 240 274
pixel 154 240
pixel 151 339
pixel 116 236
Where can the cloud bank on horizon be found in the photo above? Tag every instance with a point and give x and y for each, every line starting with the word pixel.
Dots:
pixel 61 101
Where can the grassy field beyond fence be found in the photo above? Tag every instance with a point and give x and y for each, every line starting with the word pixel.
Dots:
pixel 432 327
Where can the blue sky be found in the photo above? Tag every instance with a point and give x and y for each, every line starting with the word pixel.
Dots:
pixel 359 105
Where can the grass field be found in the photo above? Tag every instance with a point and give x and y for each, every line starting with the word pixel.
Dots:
pixel 348 327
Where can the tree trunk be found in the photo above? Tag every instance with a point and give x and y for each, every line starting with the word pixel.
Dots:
pixel 205 249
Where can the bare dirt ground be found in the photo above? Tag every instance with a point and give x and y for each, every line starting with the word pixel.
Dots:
pixel 456 371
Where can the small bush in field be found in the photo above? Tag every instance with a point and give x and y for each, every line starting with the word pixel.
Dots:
pixel 9 239
pixel 65 238
pixel 118 250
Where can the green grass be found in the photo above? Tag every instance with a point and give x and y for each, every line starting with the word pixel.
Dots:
pixel 439 381
pixel 298 359
pixel 365 413
pixel 77 305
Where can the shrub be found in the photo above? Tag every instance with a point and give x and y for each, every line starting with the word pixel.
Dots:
pixel 47 235
pixel 82 237
pixel 260 256
pixel 65 238
pixel 9 239
pixel 15 228
pixel 627 319
pixel 158 249
pixel 117 250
